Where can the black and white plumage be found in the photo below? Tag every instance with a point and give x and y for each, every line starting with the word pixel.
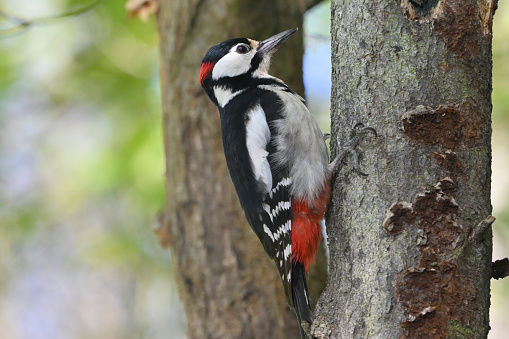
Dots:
pixel 276 156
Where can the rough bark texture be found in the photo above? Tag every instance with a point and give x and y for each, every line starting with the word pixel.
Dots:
pixel 229 287
pixel 403 261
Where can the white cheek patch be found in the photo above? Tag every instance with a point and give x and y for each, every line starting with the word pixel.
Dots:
pixel 258 136
pixel 233 64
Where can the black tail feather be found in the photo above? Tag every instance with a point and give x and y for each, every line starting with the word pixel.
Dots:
pixel 300 297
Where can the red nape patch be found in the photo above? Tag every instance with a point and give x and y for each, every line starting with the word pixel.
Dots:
pixel 206 69
pixel 306 228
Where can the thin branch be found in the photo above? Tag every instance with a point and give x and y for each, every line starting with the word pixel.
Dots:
pixel 500 268
pixel 478 231
pixel 22 24
pixel 488 19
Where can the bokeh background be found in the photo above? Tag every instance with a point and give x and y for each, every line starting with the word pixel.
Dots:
pixel 82 171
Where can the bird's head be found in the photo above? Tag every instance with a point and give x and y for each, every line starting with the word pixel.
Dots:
pixel 234 62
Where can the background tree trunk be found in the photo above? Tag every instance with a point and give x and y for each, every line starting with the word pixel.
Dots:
pixel 406 257
pixel 229 287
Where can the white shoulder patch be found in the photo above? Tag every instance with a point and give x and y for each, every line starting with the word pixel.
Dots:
pixel 257 138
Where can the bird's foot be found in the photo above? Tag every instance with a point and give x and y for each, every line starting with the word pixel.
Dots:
pixel 357 134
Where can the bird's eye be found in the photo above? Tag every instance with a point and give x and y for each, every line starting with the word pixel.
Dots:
pixel 242 49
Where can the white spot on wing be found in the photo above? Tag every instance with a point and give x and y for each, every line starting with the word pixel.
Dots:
pixel 283 229
pixel 285 182
pixel 257 138
pixel 281 206
pixel 269 233
pixel 288 251
pixel 267 209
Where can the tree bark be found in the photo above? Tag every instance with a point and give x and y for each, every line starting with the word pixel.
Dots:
pixel 229 287
pixel 407 257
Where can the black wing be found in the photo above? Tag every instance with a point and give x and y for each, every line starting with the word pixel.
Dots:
pixel 269 216
pixel 277 205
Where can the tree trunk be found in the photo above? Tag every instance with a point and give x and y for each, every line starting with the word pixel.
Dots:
pixel 229 287
pixel 409 254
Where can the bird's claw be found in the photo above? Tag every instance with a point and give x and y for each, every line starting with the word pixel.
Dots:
pixel 356 166
pixel 359 129
pixel 357 134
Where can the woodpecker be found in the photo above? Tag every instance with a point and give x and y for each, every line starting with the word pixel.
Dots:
pixel 276 155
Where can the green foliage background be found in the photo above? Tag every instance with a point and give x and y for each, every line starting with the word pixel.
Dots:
pixel 82 174
pixel 82 177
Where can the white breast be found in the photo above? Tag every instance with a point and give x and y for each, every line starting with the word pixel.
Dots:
pixel 300 145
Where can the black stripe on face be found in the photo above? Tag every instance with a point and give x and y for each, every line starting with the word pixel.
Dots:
pixel 255 62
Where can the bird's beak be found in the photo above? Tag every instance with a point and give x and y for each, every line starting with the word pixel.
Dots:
pixel 270 45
